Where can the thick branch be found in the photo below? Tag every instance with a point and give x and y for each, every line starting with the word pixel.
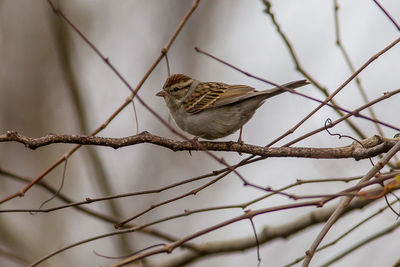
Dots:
pixel 370 147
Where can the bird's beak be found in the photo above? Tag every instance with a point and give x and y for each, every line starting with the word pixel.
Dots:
pixel 162 93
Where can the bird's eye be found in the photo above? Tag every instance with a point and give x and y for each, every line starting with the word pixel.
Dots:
pixel 175 89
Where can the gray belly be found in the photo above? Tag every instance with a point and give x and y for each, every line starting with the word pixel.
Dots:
pixel 218 122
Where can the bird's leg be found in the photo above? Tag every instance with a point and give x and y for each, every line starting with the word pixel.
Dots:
pixel 240 141
pixel 195 141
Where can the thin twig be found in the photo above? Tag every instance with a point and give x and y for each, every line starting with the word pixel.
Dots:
pixel 313 218
pixel 387 15
pixel 334 123
pixel 381 178
pixel 345 201
pixel 59 188
pixel 300 69
pixel 256 239
pixel 249 214
pixel 77 205
pixel 62 37
pixel 365 220
pixel 121 107
pixel 362 243
pixel 351 67
pixel 134 92
pixel 322 103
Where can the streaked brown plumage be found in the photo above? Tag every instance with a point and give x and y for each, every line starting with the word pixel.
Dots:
pixel 211 109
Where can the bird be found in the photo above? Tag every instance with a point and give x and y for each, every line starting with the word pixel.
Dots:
pixel 212 110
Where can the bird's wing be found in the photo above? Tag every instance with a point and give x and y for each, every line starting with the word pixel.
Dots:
pixel 211 94
pixel 253 93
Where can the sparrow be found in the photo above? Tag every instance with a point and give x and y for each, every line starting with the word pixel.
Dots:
pixel 212 110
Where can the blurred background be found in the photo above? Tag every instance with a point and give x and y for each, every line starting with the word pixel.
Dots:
pixel 53 82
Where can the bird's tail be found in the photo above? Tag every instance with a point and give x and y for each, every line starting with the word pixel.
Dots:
pixel 284 88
